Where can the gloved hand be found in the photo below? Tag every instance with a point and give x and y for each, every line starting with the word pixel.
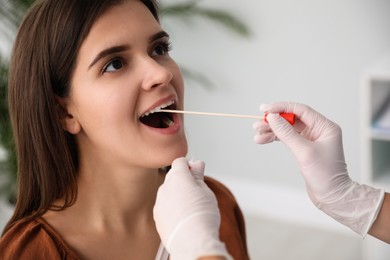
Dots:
pixel 187 215
pixel 316 143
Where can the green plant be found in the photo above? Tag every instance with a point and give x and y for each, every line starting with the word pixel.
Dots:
pixel 192 9
pixel 11 14
pixel 8 165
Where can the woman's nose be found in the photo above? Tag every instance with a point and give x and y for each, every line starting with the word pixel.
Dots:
pixel 155 74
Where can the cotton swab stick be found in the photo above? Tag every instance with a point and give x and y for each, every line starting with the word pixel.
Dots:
pixel 288 116
pixel 209 113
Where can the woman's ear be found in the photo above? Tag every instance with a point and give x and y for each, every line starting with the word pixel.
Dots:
pixel 68 122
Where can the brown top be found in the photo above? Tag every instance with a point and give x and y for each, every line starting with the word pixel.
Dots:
pixel 36 239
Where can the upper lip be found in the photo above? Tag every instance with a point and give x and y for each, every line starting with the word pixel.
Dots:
pixel 159 105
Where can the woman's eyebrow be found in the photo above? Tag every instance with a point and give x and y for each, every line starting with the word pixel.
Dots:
pixel 158 35
pixel 107 52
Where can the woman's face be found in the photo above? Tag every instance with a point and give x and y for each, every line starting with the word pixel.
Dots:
pixel 123 71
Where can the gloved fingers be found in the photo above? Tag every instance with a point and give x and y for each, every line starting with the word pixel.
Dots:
pixel 197 168
pixel 277 107
pixel 179 175
pixel 264 133
pixel 311 124
pixel 305 115
pixel 286 107
pixel 284 131
pixel 180 163
pixel 261 127
pixel 265 138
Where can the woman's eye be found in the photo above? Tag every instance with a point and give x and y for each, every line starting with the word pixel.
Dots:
pixel 161 49
pixel 113 65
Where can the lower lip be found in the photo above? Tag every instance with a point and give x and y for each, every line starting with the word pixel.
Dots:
pixel 173 129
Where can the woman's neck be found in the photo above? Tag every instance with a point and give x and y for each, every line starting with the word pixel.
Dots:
pixel 114 200
pixel 117 196
pixel 113 214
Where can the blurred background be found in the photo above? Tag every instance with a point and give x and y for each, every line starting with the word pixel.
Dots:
pixel 313 52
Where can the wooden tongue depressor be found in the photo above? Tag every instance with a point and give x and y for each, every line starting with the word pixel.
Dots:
pixel 288 116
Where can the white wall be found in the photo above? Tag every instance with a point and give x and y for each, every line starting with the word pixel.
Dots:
pixel 305 51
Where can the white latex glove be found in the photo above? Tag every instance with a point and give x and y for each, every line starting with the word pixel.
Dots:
pixel 316 144
pixel 187 215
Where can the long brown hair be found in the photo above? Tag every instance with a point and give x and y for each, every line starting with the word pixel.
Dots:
pixel 42 63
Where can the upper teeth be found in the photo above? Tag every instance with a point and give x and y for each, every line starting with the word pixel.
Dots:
pixel 158 108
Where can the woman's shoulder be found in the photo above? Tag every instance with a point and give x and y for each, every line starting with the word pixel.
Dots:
pixel 227 203
pixel 232 229
pixel 220 190
pixel 33 239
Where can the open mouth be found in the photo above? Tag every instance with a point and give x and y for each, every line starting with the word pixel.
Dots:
pixel 156 119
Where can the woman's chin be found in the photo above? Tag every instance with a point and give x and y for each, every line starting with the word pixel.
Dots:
pixel 168 161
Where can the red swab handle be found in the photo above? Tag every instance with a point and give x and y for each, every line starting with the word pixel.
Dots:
pixel 290 117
